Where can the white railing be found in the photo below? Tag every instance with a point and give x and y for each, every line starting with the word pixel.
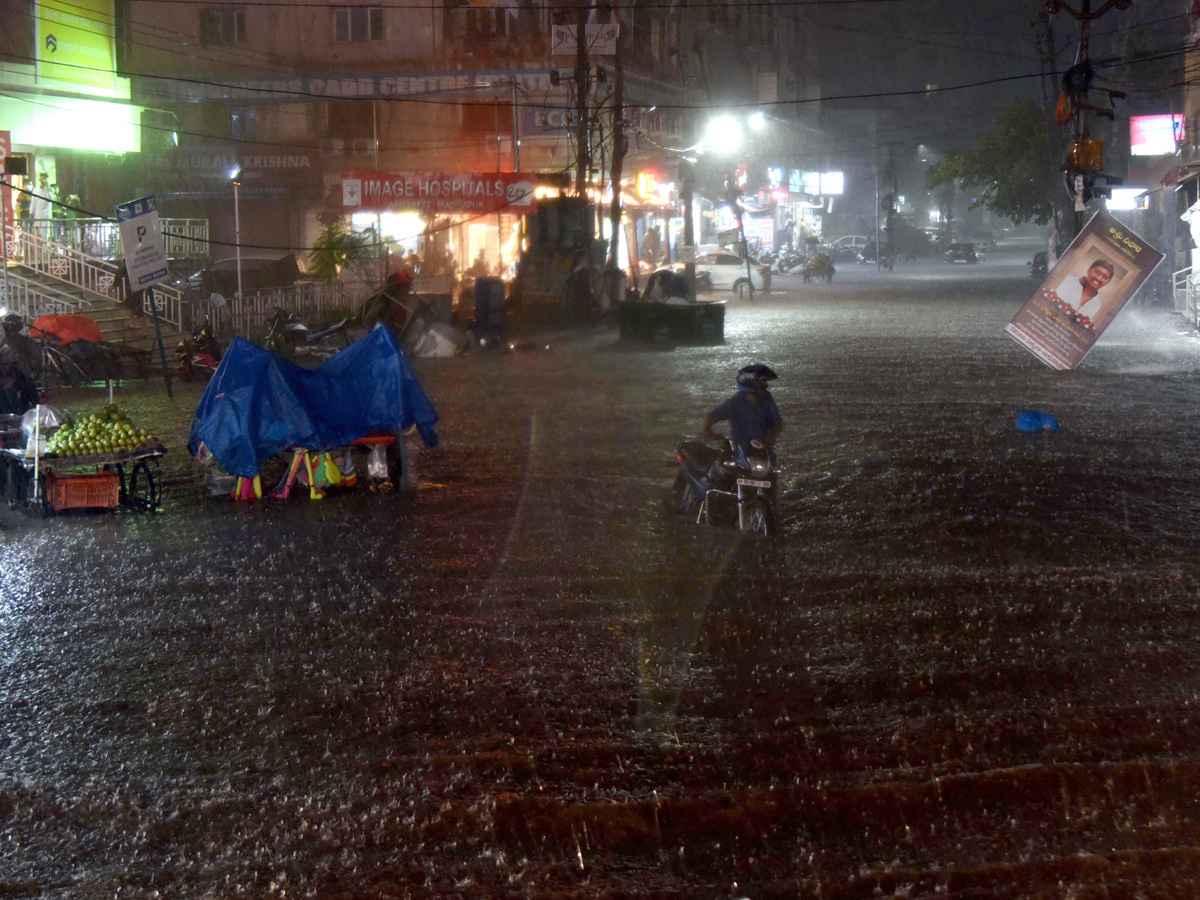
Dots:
pixel 96 276
pixel 100 238
pixel 29 299
pixel 308 301
pixel 1183 292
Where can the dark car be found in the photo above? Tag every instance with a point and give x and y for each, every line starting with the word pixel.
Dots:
pixel 260 272
pixel 961 253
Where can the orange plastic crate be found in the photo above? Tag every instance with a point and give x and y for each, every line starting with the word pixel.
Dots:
pixel 99 491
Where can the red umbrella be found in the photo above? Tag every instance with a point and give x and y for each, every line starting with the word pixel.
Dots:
pixel 66 329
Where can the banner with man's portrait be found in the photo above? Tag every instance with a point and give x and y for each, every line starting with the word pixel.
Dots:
pixel 1101 269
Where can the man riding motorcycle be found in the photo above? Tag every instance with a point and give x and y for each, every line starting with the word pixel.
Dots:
pixel 751 412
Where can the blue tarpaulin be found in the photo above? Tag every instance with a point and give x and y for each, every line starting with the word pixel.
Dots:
pixel 1033 420
pixel 259 404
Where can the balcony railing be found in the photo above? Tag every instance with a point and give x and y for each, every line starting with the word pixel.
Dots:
pixel 100 239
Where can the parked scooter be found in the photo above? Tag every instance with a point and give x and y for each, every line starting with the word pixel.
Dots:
pixel 733 485
pixel 200 356
pixel 788 259
pixel 288 334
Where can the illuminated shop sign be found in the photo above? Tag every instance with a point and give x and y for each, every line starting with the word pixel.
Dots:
pixel 437 192
pixel 75 42
pixel 1154 135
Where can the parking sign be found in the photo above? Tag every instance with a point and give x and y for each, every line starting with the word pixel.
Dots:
pixel 142 240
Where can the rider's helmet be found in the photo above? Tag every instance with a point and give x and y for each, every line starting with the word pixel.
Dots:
pixel 755 377
pixel 13 323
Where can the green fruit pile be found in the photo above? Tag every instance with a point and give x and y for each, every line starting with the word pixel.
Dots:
pixel 102 433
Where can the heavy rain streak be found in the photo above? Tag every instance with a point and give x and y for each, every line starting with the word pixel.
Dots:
pixel 965 665
pixel 583 648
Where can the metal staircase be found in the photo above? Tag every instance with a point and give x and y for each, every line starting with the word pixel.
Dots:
pixel 30 299
pixel 51 270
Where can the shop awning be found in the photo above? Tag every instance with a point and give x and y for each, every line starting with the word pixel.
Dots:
pixel 1179 176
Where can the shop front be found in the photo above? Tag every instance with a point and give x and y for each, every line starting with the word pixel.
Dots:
pixel 67 114
pixel 447 228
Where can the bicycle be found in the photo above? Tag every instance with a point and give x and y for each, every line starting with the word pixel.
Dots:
pixel 54 367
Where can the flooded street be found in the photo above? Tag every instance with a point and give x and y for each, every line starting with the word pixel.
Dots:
pixel 967 666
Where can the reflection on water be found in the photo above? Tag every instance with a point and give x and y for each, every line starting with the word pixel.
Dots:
pixel 969 649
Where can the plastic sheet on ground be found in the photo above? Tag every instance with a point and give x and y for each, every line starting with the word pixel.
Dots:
pixel 259 404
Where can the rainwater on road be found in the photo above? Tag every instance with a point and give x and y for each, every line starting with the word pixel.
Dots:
pixel 967 665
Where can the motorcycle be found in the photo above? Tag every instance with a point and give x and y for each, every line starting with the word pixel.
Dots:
pixel 288 334
pixel 199 356
pixel 789 259
pixel 735 484
pixel 1040 265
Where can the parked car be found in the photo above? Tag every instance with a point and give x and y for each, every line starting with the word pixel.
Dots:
pixel 985 240
pixel 847 246
pixel 260 272
pixel 728 273
pixel 961 253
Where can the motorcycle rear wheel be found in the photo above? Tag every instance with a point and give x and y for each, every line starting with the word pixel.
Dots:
pixel 757 517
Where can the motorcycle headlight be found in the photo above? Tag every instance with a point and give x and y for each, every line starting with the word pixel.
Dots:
pixel 759 467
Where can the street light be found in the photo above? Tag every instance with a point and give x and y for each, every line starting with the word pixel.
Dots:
pixel 724 134
pixel 234 176
pixel 758 121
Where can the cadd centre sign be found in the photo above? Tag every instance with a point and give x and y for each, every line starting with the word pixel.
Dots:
pixel 436 192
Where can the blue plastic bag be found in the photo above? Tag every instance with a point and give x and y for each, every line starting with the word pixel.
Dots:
pixel 1032 420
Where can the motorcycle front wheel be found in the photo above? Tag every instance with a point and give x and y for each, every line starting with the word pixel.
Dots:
pixel 757 517
pixel 687 500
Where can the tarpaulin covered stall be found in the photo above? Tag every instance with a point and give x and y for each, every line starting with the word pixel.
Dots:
pixel 259 404
pixel 66 329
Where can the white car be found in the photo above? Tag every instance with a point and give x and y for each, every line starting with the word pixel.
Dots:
pixel 848 247
pixel 728 273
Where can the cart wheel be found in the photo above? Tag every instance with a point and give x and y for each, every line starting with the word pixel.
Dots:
pixel 143 491
pixel 38 505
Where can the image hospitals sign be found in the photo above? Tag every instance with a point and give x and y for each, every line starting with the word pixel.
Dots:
pixel 436 192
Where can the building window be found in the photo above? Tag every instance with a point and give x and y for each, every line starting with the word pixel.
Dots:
pixel 656 37
pixel 358 24
pixel 242 121
pixel 222 26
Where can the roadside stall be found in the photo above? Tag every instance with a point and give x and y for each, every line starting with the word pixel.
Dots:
pixel 51 462
pixel 259 406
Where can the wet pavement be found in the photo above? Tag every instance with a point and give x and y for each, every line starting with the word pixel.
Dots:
pixel 966 667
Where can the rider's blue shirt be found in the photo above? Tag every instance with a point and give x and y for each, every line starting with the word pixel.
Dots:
pixel 747 418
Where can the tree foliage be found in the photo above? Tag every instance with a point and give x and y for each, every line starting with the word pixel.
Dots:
pixel 1011 170
pixel 336 248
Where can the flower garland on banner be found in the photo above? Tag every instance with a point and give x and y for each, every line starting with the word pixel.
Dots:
pixel 1068 310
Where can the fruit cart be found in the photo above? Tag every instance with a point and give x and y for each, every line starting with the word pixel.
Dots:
pixel 100 462
pixel 57 483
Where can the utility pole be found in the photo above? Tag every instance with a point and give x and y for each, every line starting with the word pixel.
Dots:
pixel 516 129
pixel 618 163
pixel 582 80
pixel 1085 157
pixel 878 255
pixel 618 166
pixel 890 211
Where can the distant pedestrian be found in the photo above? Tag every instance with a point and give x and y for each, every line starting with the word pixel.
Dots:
pixel 41 206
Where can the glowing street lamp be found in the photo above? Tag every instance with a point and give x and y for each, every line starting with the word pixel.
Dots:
pixel 235 175
pixel 724 134
pixel 758 122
